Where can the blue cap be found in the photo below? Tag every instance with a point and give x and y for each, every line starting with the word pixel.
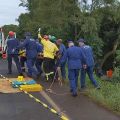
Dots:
pixel 81 40
pixel 28 34
pixel 69 41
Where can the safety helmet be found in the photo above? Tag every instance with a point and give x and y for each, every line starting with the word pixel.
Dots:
pixel 53 39
pixel 11 33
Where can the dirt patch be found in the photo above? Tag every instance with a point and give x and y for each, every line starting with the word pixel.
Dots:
pixel 6 87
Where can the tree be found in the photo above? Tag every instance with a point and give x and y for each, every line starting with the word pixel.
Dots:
pixel 110 31
pixel 7 28
pixel 98 23
pixel 53 16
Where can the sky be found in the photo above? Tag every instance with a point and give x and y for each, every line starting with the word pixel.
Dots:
pixel 10 11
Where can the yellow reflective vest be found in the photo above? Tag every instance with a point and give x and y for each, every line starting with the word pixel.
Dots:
pixel 22 53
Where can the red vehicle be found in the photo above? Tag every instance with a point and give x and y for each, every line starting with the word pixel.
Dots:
pixel 2 45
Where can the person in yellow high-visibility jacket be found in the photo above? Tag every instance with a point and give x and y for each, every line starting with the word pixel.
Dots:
pixel 49 53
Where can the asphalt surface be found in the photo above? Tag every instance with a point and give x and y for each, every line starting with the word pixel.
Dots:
pixel 20 107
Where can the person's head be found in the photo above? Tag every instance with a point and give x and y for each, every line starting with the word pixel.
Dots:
pixel 81 42
pixel 59 42
pixel 46 37
pixel 70 43
pixel 11 34
pixel 22 40
pixel 28 35
pixel 52 38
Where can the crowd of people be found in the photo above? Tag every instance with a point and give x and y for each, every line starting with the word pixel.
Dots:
pixel 49 55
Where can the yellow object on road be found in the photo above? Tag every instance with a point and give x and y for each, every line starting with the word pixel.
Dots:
pixel 27 88
pixel 31 88
pixel 20 78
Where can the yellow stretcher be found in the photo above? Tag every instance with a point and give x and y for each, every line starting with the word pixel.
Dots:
pixel 31 88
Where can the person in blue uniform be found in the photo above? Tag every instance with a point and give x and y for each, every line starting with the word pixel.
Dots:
pixel 31 54
pixel 62 50
pixel 39 59
pixel 12 43
pixel 75 59
pixel 90 65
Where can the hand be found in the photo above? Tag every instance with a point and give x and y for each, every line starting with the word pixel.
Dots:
pixel 85 66
pixel 58 68
pixel 40 56
pixel 39 30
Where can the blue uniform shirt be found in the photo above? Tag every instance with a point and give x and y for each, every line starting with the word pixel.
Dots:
pixel 39 47
pixel 88 55
pixel 31 47
pixel 12 43
pixel 62 51
pixel 74 57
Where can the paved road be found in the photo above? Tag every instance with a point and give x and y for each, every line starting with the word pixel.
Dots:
pixel 20 107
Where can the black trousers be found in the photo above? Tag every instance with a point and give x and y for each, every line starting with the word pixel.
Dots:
pixel 22 62
pixel 48 65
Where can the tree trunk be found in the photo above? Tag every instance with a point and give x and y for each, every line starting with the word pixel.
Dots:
pixel 107 55
pixel 75 32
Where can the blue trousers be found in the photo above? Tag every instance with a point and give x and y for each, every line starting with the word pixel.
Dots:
pixel 16 60
pixel 89 71
pixel 38 65
pixel 73 78
pixel 31 70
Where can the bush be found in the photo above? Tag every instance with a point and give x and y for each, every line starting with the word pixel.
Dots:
pixel 108 95
pixel 116 75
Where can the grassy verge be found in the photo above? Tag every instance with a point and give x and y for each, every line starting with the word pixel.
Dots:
pixel 108 95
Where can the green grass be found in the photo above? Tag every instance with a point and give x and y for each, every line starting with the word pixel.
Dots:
pixel 108 95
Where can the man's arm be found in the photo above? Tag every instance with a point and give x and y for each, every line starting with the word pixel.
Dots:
pixel 24 44
pixel 65 57
pixel 83 58
pixel 56 49
pixel 39 48
pixel 39 36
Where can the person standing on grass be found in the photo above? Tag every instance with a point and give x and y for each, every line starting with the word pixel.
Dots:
pixel 75 60
pixel 87 50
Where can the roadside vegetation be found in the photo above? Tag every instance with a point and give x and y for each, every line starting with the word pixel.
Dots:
pixel 108 95
pixel 98 23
